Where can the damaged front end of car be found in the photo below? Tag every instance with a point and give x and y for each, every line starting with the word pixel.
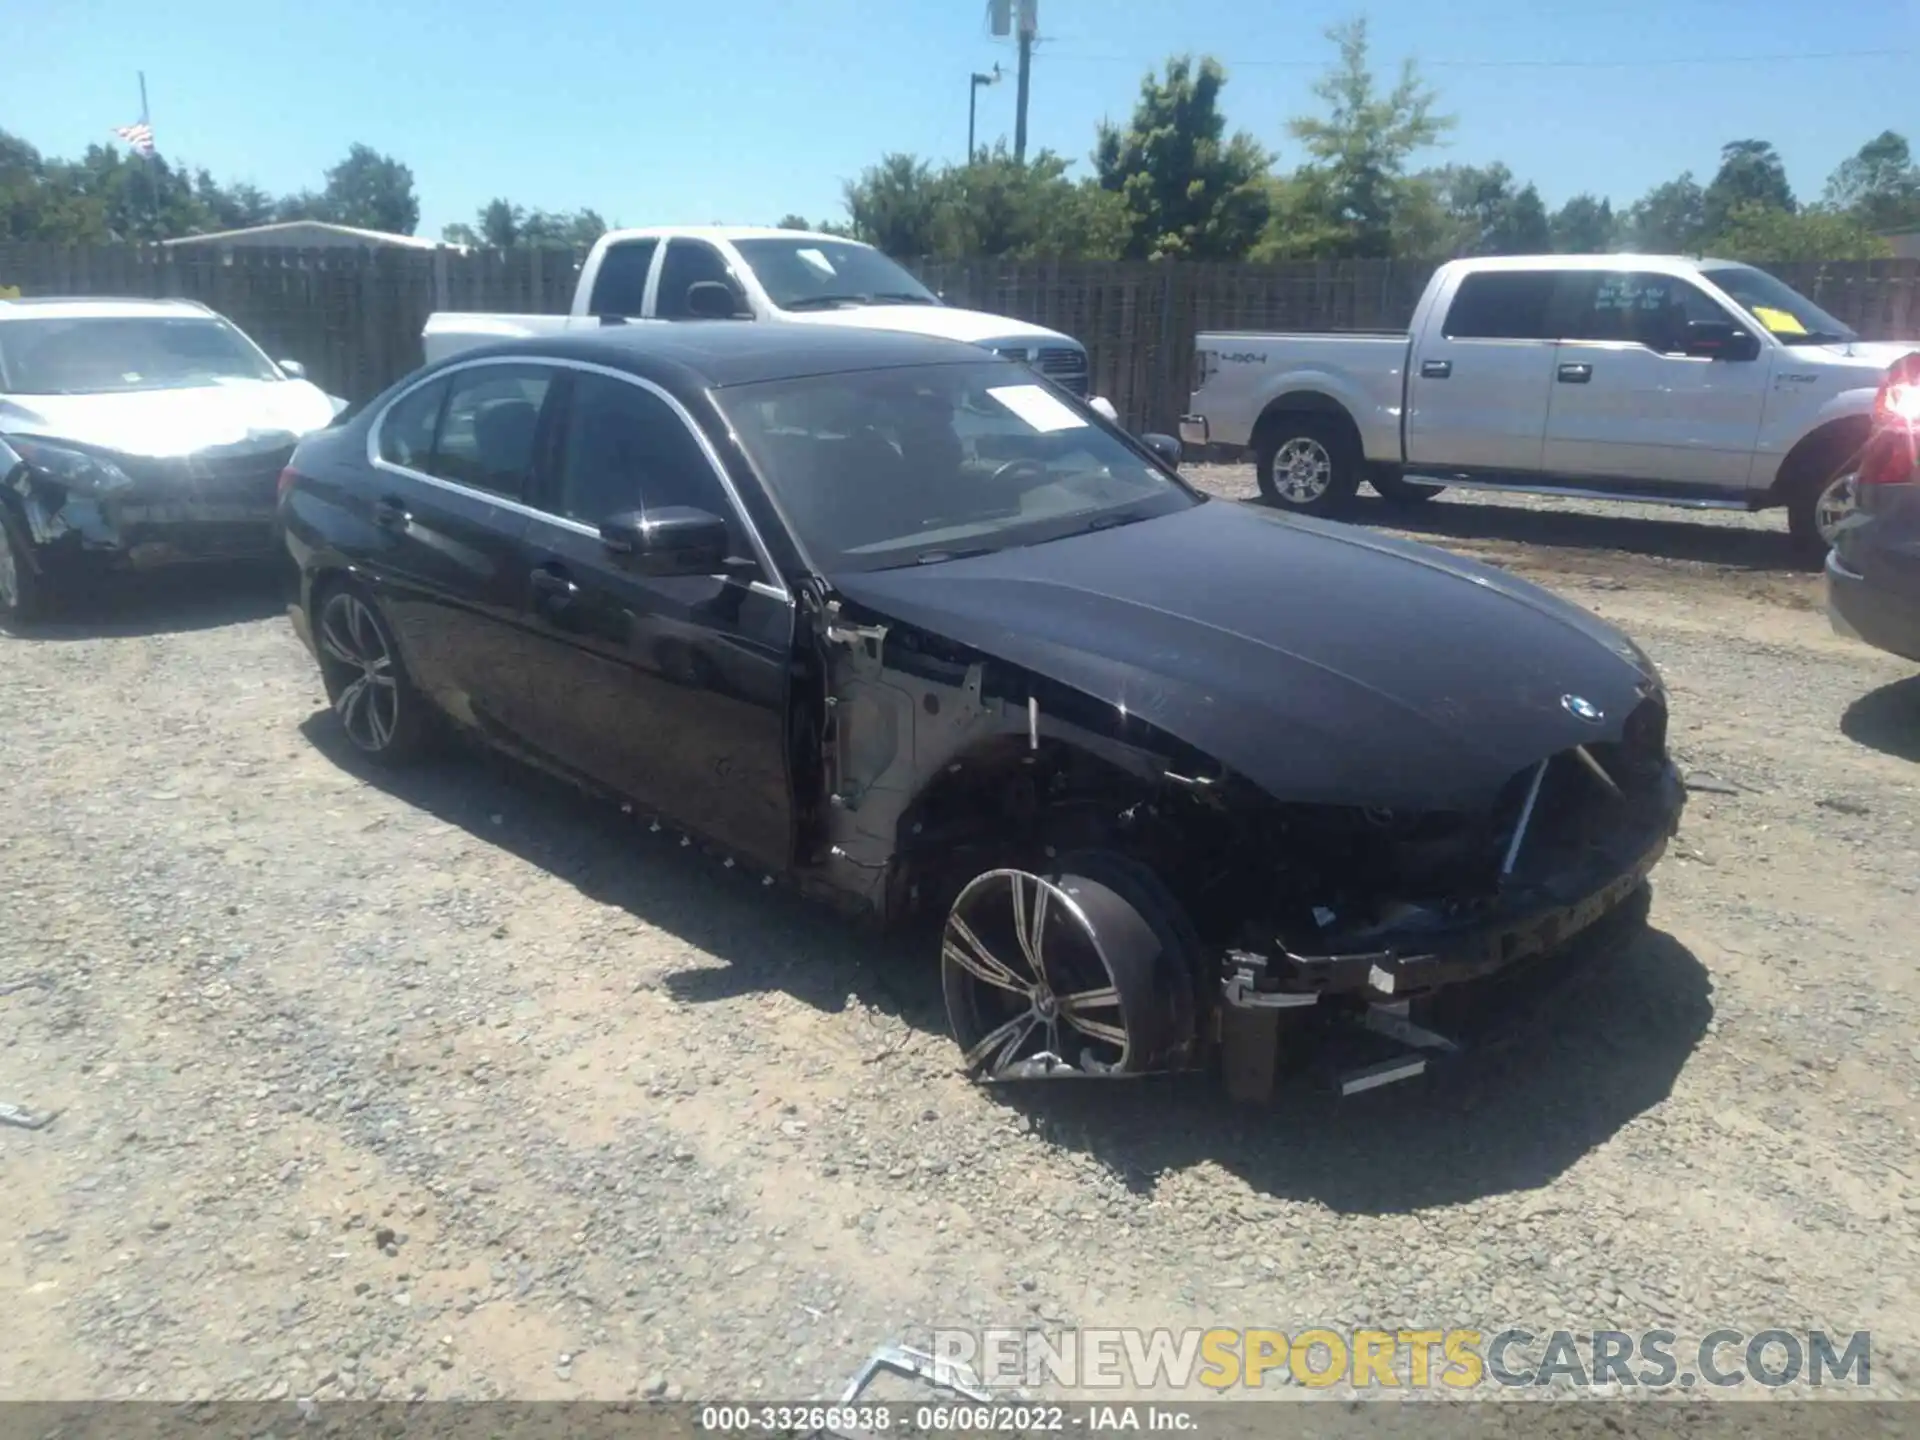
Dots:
pixel 1114 902
pixel 81 505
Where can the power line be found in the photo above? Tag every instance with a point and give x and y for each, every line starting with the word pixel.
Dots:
pixel 1637 63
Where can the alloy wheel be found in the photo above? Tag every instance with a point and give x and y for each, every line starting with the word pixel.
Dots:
pixel 1029 989
pixel 1302 470
pixel 362 682
pixel 1835 504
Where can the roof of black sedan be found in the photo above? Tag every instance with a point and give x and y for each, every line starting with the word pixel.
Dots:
pixel 734 352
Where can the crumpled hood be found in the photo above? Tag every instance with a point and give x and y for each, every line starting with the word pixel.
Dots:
pixel 947 322
pixel 165 423
pixel 1325 663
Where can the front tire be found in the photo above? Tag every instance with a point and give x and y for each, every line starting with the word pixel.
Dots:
pixel 1309 463
pixel 1816 509
pixel 1066 975
pixel 383 715
pixel 25 596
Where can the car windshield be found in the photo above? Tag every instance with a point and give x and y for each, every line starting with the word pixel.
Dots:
pixel 1788 315
pixel 880 469
pixel 802 273
pixel 82 355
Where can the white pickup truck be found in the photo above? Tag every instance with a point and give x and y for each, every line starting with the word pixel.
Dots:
pixel 736 272
pixel 1700 383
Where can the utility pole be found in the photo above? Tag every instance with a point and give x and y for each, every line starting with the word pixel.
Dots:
pixel 973 101
pixel 1029 22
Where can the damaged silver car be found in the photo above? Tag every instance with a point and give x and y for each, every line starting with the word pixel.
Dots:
pixel 925 635
pixel 136 433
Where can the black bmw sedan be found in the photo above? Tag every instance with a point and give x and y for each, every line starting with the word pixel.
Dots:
pixel 914 629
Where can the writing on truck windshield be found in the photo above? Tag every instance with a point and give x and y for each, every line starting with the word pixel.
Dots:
pixel 803 273
pixel 1788 315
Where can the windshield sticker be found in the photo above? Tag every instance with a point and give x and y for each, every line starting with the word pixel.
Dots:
pixel 1778 321
pixel 1045 413
pixel 817 259
pixel 9 292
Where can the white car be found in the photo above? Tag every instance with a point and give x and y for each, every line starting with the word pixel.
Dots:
pixel 751 273
pixel 137 433
pixel 1692 382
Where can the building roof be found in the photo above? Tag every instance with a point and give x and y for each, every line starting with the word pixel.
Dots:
pixel 287 227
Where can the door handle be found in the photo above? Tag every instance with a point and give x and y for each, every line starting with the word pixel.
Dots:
pixel 552 589
pixel 1575 374
pixel 1435 369
pixel 390 514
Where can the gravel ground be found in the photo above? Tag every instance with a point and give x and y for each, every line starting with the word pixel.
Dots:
pixel 459 1085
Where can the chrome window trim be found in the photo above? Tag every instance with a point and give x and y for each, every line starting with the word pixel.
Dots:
pixel 775 586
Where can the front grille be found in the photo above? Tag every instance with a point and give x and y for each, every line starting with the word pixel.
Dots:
pixel 1064 366
pixel 212 473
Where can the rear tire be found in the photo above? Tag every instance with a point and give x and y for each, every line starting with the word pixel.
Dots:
pixel 1308 462
pixel 384 716
pixel 1396 490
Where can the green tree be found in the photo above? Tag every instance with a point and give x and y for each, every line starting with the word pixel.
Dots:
pixel 895 205
pixel 1488 214
pixel 1190 191
pixel 371 191
pixel 1359 149
pixel 1670 218
pixel 1760 233
pixel 791 221
pixel 998 206
pixel 1585 225
pixel 1879 183
pixel 1751 173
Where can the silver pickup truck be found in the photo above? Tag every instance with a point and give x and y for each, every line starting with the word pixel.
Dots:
pixel 1699 383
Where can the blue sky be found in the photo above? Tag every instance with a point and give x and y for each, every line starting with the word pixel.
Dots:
pixel 652 111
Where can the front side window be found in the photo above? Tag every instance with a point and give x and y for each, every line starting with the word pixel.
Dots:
pixel 97 354
pixel 1639 308
pixel 624 450
pixel 690 263
pixel 488 427
pixel 1501 305
pixel 1788 315
pixel 801 273
pixel 919 464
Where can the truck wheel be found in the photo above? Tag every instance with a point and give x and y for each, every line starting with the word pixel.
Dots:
pixel 1308 463
pixel 1815 509
pixel 1397 491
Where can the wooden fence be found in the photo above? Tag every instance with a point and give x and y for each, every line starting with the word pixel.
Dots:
pixel 354 317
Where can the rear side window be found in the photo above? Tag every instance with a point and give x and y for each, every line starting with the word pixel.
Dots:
pixel 1501 305
pixel 406 434
pixel 487 429
pixel 620 288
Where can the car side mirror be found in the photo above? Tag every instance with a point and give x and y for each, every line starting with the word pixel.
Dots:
pixel 669 540
pixel 292 369
pixel 710 300
pixel 1165 446
pixel 1719 340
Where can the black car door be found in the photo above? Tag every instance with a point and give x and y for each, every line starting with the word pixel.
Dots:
pixel 454 461
pixel 669 689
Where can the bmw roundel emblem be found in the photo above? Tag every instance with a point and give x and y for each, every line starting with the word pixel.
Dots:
pixel 1582 708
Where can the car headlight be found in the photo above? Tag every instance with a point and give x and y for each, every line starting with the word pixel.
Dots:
pixel 70 469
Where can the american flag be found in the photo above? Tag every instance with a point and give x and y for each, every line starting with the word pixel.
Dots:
pixel 140 136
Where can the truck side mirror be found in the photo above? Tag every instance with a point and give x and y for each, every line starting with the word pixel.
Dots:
pixel 1165 446
pixel 1719 340
pixel 710 300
